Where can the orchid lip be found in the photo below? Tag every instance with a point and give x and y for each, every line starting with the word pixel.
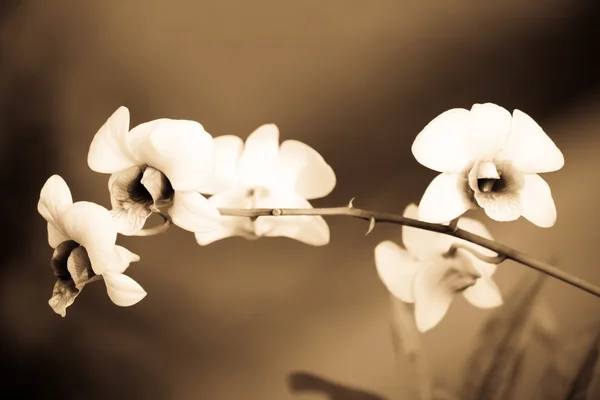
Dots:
pixel 60 258
pixel 72 266
pixel 494 177
pixel 143 185
pixel 488 177
pixel 461 275
pixel 136 190
pixel 463 283
pixel 458 281
pixel 152 187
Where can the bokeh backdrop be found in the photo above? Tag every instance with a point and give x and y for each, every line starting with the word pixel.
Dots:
pixel 356 81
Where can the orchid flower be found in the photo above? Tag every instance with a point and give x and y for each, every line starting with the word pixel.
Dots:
pixel 428 275
pixel 263 174
pixel 489 159
pixel 83 236
pixel 157 164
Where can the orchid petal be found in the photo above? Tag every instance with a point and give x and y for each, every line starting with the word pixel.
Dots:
pixel 432 297
pixel 193 212
pixel 63 295
pixel 108 151
pixel 422 243
pixel 232 226
pixel 55 236
pixel 502 207
pixel 158 186
pixel 445 198
pixel 92 227
pixel 180 149
pixel 313 178
pixel 259 161
pixel 55 197
pixel 79 267
pixel 312 230
pixel 483 268
pixel 130 200
pixel 132 220
pixel 538 204
pixel 490 126
pixel 396 269
pixel 529 148
pixel 122 290
pixel 476 227
pixel 443 145
pixel 484 293
pixel 228 149
pixel 122 257
pixel 118 185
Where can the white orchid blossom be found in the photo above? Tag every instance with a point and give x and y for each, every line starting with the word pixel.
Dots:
pixel 83 237
pixel 428 276
pixel 489 159
pixel 157 164
pixel 263 174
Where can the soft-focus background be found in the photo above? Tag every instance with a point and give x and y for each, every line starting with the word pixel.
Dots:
pixel 355 80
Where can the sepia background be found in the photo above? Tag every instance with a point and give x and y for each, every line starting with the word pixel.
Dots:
pixel 355 80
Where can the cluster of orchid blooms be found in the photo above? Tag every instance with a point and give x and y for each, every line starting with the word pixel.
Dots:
pixel 487 158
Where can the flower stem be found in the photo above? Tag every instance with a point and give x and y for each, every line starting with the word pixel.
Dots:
pixel 488 259
pixel 408 343
pixel 501 249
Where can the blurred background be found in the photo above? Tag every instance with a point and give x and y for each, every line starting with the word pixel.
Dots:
pixel 355 80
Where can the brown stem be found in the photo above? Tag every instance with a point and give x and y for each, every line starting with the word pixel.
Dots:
pixel 501 249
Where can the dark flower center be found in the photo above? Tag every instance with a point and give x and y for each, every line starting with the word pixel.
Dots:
pixel 151 186
pixel 60 262
pixel 487 185
pixel 137 192
pixel 143 185
pixel 489 178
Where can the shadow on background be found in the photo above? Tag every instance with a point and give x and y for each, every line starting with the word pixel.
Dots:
pixel 236 324
pixel 28 126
